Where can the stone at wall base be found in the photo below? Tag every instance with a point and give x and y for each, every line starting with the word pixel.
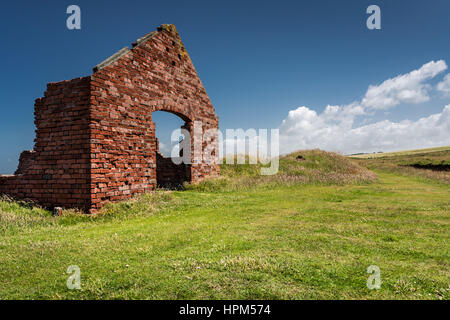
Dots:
pixel 57 211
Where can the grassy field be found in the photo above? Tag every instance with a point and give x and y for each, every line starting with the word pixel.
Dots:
pixel 308 233
pixel 400 153
pixel 432 164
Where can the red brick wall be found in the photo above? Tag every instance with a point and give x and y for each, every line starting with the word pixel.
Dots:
pixel 157 74
pixel 95 139
pixel 57 172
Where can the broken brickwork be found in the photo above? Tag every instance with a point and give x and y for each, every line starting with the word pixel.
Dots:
pixel 95 138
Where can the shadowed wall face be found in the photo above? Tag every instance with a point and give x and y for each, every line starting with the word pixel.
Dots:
pixel 170 175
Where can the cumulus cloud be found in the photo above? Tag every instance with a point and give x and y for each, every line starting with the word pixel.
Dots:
pixel 334 129
pixel 444 85
pixel 406 88
pixel 305 129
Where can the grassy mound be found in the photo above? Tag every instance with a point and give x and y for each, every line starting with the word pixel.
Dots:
pixel 300 167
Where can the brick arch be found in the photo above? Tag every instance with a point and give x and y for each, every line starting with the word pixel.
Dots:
pixel 183 112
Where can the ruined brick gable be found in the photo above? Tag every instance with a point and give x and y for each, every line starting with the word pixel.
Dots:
pixel 95 138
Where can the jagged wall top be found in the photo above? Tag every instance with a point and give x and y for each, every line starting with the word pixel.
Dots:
pixel 164 27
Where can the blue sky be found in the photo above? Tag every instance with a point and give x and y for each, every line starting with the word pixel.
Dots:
pixel 258 60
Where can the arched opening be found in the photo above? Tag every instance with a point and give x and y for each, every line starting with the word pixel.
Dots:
pixel 171 172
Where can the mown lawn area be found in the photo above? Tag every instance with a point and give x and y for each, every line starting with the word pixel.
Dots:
pixel 272 242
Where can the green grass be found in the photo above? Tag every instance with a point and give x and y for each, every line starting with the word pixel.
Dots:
pixel 300 240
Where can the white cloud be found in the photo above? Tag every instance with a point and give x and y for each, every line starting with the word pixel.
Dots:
pixel 444 85
pixel 164 149
pixel 305 129
pixel 406 88
pixel 334 129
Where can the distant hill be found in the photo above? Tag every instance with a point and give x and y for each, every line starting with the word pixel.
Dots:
pixel 397 153
pixel 431 163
